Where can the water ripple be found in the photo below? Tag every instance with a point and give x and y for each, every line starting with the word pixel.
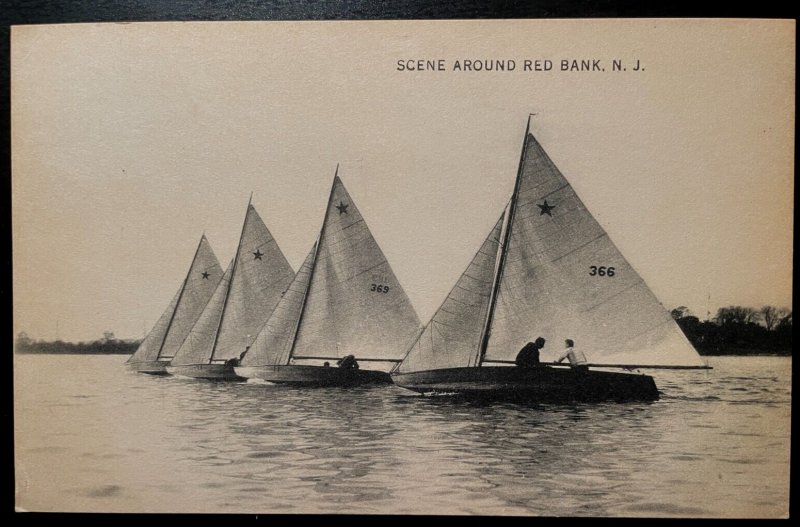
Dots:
pixel 127 442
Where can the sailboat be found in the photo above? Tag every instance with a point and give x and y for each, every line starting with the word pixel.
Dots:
pixel 546 269
pixel 344 300
pixel 245 296
pixel 166 336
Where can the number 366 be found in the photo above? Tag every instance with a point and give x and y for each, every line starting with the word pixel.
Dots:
pixel 601 271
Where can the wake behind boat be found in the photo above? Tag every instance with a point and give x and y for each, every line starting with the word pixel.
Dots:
pixel 163 341
pixel 344 301
pixel 547 268
pixel 246 294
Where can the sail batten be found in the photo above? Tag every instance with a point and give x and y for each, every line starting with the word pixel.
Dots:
pixel 185 307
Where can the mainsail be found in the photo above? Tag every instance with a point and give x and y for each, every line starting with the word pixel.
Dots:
pixel 261 274
pixel 244 298
pixel 198 347
pixel 171 329
pixel 354 303
pixel 562 277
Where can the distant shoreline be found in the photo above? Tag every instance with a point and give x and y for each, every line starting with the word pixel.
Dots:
pixel 704 353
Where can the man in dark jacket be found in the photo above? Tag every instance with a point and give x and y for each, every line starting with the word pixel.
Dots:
pixel 348 361
pixel 528 356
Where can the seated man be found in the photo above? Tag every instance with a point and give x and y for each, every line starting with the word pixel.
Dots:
pixel 348 361
pixel 528 356
pixel 577 360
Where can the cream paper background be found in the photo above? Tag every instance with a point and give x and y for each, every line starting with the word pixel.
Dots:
pixel 130 140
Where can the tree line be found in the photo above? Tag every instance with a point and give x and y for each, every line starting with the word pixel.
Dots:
pixel 735 330
pixel 739 330
pixel 108 344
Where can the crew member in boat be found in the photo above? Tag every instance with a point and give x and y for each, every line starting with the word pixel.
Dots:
pixel 577 359
pixel 236 361
pixel 348 361
pixel 528 356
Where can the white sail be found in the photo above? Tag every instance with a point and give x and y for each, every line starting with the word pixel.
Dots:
pixel 185 307
pixel 261 275
pixel 564 278
pixel 452 337
pixel 204 275
pixel 354 305
pixel 198 346
pixel 274 342
pixel 151 345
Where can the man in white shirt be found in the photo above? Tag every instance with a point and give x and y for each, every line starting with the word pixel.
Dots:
pixel 577 360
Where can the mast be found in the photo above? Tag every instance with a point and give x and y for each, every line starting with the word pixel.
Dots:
pixel 313 264
pixel 230 284
pixel 502 249
pixel 180 296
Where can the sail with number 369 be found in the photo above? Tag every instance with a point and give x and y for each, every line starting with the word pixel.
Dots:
pixel 344 301
pixel 546 269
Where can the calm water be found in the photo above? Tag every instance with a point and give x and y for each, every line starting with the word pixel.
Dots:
pixel 91 436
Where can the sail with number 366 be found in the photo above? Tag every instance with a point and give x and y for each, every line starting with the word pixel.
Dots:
pixel 547 269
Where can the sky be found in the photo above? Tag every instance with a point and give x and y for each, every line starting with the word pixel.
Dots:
pixel 131 140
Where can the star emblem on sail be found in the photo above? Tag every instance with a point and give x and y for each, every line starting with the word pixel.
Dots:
pixel 531 278
pixel 243 299
pixel 332 307
pixel 166 336
pixel 544 208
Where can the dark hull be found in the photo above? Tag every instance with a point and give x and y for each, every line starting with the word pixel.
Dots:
pixel 212 372
pixel 536 384
pixel 153 367
pixel 302 375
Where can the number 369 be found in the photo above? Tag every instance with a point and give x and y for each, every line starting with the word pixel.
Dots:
pixel 601 271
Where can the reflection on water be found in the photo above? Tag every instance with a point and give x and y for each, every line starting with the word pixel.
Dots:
pixel 91 436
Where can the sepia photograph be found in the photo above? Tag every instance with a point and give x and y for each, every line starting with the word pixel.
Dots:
pixel 449 267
